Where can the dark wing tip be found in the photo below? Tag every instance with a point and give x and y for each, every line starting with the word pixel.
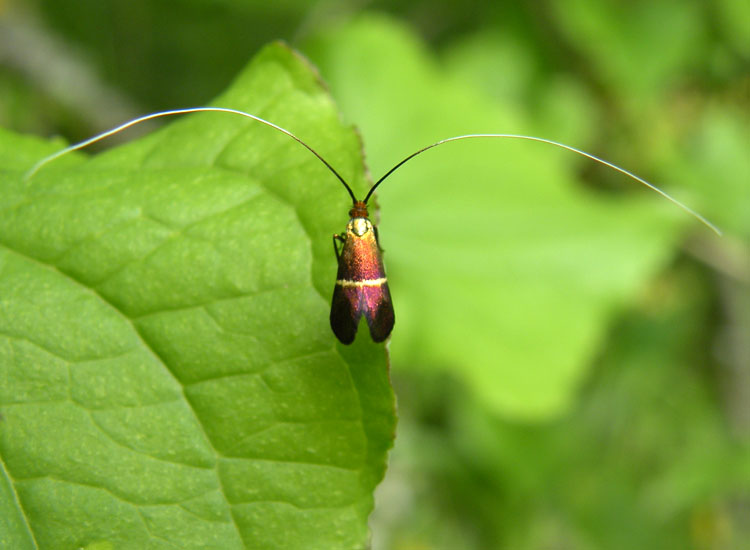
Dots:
pixel 380 318
pixel 345 314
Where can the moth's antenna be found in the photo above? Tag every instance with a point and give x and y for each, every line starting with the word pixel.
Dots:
pixel 34 169
pixel 670 198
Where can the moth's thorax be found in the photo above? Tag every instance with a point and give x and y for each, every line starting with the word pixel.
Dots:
pixel 359 227
pixel 360 255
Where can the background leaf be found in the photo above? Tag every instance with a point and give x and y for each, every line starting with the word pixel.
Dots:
pixel 505 273
pixel 169 379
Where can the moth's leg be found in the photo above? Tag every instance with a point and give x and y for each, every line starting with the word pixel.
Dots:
pixel 377 238
pixel 336 250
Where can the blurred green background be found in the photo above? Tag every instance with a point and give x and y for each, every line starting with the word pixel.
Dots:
pixel 572 354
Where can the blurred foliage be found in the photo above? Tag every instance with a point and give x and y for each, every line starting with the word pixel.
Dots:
pixel 643 441
pixel 472 265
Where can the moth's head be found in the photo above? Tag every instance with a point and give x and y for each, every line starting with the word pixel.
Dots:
pixel 359 210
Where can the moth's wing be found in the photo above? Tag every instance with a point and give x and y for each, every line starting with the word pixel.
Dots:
pixel 346 312
pixel 377 307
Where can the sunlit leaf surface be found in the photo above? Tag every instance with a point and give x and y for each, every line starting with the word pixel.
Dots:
pixel 168 378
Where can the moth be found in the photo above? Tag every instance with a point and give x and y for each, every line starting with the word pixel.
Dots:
pixel 361 288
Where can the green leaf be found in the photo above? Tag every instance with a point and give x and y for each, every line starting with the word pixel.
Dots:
pixel 504 270
pixel 734 20
pixel 620 42
pixel 168 378
pixel 649 454
pixel 716 167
